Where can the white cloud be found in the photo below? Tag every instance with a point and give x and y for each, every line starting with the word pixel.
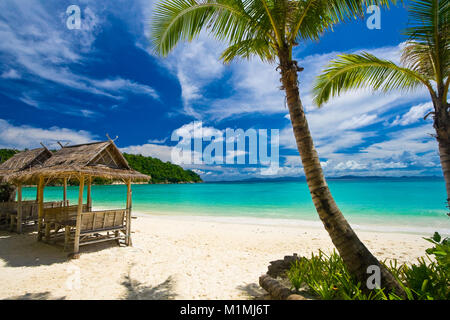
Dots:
pixel 158 141
pixel 164 153
pixel 24 136
pixel 350 165
pixel 196 65
pixel 415 114
pixel 10 74
pixel 413 140
pixel 197 130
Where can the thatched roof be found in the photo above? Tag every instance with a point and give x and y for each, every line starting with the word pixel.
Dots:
pixel 98 159
pixel 24 160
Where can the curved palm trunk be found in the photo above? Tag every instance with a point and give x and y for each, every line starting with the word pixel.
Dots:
pixel 354 253
pixel 442 126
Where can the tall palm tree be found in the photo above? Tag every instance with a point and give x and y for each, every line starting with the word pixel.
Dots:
pixel 269 29
pixel 425 62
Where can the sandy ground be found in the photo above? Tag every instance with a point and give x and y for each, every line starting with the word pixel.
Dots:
pixel 173 258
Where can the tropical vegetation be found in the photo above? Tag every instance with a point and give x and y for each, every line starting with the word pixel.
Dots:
pixel 161 172
pixel 5 154
pixel 270 30
pixel 326 277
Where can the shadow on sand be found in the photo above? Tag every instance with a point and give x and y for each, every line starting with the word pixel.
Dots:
pixel 36 296
pixel 137 291
pixel 254 291
pixel 23 250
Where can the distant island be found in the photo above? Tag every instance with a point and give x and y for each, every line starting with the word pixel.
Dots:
pixel 347 177
pixel 161 172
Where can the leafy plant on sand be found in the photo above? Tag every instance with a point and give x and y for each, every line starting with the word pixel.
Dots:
pixel 269 30
pixel 328 278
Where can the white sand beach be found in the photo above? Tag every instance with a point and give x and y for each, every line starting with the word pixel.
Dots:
pixel 173 258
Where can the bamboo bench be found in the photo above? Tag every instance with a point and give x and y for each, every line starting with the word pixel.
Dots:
pixel 95 226
pixel 56 218
pixel 9 211
pixel 100 226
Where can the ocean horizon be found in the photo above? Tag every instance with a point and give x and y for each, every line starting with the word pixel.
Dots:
pixel 384 205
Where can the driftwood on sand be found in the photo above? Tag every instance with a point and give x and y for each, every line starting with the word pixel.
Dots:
pixel 275 288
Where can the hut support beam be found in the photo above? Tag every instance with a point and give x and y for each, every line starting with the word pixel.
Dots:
pixel 40 196
pixel 19 209
pixel 128 235
pixel 76 245
pixel 65 192
pixel 89 198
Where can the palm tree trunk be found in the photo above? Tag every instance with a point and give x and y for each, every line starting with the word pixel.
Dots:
pixel 354 253
pixel 442 126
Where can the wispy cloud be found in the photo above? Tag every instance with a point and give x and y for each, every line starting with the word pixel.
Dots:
pixel 35 41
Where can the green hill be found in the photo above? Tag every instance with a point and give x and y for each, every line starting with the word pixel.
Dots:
pixel 161 172
pixel 5 154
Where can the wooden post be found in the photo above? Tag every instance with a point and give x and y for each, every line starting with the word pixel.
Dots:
pixel 66 237
pixel 76 245
pixel 40 196
pixel 89 198
pixel 128 235
pixel 65 192
pixel 19 208
pixel 47 232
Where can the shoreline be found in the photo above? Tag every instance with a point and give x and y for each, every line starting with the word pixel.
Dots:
pixel 189 259
pixel 284 222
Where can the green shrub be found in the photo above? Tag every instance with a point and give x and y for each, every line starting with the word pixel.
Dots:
pixel 430 280
pixel 327 277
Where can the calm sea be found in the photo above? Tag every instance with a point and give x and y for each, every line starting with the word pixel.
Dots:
pixel 416 206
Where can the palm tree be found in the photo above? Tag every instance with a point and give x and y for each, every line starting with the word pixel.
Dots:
pixel 269 29
pixel 425 62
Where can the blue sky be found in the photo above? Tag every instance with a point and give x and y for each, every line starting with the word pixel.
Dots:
pixel 75 86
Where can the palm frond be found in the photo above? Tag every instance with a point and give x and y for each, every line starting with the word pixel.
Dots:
pixel 176 20
pixel 429 34
pixel 353 71
pixel 250 47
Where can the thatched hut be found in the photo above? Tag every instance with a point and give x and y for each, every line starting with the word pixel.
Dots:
pixel 77 224
pixel 25 160
pixel 17 214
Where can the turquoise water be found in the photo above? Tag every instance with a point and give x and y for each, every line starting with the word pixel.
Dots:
pixel 385 205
